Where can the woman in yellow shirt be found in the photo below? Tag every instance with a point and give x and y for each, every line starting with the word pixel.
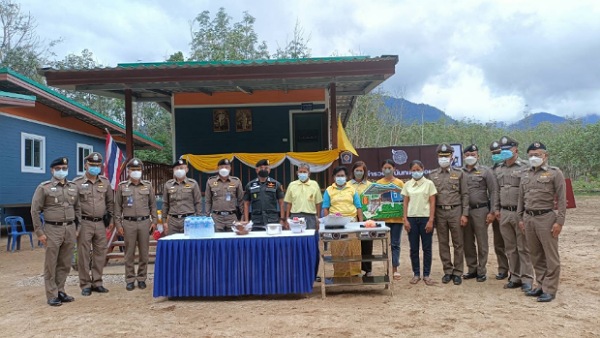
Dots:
pixel 395 224
pixel 361 183
pixel 341 197
pixel 419 210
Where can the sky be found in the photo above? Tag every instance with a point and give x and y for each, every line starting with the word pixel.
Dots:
pixel 480 60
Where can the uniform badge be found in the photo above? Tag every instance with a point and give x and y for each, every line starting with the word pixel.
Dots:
pixel 504 140
pixel 96 159
pixel 215 183
pixel 187 186
pixel 444 148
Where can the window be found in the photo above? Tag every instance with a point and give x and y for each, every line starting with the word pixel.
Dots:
pixel 83 150
pixel 33 153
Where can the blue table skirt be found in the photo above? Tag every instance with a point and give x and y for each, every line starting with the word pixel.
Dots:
pixel 235 267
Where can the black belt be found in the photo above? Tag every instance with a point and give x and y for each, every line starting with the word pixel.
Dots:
pixel 59 223
pixel 477 206
pixel 537 212
pixel 448 207
pixel 92 219
pixel 181 216
pixel 224 213
pixel 510 208
pixel 136 219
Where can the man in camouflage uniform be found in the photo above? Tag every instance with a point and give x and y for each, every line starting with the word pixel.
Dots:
pixel 181 198
pixel 265 195
pixel 58 200
pixel 96 198
pixel 224 197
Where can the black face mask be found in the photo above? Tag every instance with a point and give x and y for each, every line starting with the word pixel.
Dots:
pixel 263 173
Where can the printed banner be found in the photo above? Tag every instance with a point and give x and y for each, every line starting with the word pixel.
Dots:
pixel 380 201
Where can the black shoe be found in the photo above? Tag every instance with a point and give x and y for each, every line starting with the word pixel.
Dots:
pixel 481 278
pixel 318 279
pixel 130 286
pixel 86 292
pixel 64 297
pixel 100 289
pixel 457 280
pixel 446 279
pixel 54 302
pixel 545 297
pixel 513 285
pixel 526 287
pixel 470 275
pixel 142 285
pixel 534 293
pixel 501 275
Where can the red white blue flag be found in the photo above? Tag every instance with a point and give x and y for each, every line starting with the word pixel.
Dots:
pixel 113 162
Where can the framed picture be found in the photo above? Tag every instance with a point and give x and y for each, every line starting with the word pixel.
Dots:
pixel 220 120
pixel 243 120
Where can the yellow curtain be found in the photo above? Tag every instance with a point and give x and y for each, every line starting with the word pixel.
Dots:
pixel 342 139
pixel 206 163
pixel 317 157
pixel 250 159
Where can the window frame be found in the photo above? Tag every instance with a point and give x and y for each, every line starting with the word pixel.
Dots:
pixel 33 169
pixel 82 146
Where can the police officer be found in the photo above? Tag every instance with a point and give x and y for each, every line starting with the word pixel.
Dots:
pixel 482 187
pixel 508 175
pixel 498 241
pixel 224 197
pixel 135 214
pixel 58 200
pixel 96 198
pixel 451 214
pixel 265 195
pixel 539 186
pixel 181 198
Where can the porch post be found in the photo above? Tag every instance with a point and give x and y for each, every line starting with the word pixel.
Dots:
pixel 333 114
pixel 128 124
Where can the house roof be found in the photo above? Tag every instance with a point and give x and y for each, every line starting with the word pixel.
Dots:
pixel 157 81
pixel 16 100
pixel 18 85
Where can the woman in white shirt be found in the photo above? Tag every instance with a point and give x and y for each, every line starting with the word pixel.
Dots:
pixel 419 209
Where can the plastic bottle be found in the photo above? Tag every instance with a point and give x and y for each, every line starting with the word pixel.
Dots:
pixel 159 222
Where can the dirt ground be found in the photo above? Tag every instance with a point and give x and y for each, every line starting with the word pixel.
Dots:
pixel 472 309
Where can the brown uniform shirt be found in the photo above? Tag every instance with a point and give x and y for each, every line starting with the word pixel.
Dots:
pixel 482 185
pixel 181 198
pixel 538 191
pixel 135 200
pixel 58 202
pixel 509 179
pixel 224 195
pixel 452 188
pixel 95 198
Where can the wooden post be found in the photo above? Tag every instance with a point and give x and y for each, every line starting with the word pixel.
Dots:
pixel 128 124
pixel 333 114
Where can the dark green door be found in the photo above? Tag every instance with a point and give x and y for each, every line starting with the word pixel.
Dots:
pixel 310 131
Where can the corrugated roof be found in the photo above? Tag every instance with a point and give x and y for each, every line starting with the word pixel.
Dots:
pixel 220 63
pixel 17 96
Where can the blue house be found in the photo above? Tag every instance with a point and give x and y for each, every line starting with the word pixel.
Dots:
pixel 37 125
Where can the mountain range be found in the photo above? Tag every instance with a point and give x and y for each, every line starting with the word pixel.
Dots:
pixel 410 112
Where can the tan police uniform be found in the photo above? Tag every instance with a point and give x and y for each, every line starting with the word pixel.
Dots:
pixel 499 250
pixel 181 198
pixel 60 204
pixel 515 242
pixel 536 203
pixel 224 199
pixel 96 198
pixel 135 212
pixel 482 187
pixel 452 202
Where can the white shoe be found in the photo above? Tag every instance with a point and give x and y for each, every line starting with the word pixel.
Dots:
pixel 369 274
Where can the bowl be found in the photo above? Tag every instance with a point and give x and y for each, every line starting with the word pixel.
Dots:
pixel 336 220
pixel 242 228
pixel 297 227
pixel 273 229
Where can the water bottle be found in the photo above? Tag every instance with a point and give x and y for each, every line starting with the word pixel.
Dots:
pixel 186 226
pixel 195 227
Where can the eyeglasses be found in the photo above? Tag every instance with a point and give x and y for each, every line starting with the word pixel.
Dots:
pixel 61 167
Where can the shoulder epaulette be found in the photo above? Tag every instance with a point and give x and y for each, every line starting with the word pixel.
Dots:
pixel 103 177
pixel 78 178
pixel 123 182
pixel 46 182
pixel 146 181
pixel 234 178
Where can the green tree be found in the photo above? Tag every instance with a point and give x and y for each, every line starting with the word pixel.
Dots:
pixel 296 48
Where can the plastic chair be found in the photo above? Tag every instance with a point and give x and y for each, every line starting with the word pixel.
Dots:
pixel 16 232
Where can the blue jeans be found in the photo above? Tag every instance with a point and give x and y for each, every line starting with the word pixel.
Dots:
pixel 395 233
pixel 417 231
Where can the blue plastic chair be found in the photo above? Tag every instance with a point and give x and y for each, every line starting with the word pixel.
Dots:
pixel 17 229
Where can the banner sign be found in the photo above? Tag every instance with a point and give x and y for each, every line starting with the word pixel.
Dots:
pixel 380 201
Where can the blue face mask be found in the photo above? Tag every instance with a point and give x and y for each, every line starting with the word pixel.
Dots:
pixel 60 174
pixel 340 180
pixel 506 154
pixel 302 177
pixel 417 175
pixel 497 158
pixel 94 171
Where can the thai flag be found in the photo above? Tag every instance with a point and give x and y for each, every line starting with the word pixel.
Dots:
pixel 113 161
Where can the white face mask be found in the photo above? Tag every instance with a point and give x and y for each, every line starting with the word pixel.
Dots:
pixel 136 174
pixel 470 160
pixel 444 162
pixel 224 172
pixel 536 161
pixel 179 173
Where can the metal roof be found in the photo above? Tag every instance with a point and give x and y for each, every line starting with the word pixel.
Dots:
pixel 20 85
pixel 16 100
pixel 157 81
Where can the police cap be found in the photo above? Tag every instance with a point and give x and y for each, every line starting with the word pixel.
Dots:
pixel 94 158
pixel 59 161
pixel 445 149
pixel 506 142
pixel 224 161
pixel 495 146
pixel 536 146
pixel 471 148
pixel 262 162
pixel 135 163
